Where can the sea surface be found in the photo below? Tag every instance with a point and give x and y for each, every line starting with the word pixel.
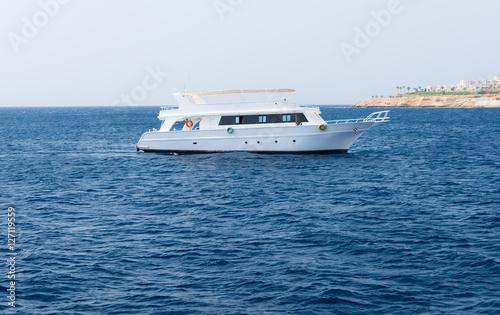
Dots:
pixel 407 222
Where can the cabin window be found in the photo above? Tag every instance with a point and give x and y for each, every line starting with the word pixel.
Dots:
pixel 262 119
pixel 300 118
pixel 177 126
pixel 273 119
pixel 226 120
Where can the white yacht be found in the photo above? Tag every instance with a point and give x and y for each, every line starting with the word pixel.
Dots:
pixel 257 120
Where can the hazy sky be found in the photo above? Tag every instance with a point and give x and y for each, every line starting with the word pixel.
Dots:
pixel 103 52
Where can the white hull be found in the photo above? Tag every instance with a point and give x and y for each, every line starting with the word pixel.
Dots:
pixel 284 139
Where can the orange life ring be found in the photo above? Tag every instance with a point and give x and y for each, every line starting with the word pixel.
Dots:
pixel 189 123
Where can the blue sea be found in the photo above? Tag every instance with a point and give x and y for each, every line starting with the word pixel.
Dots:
pixel 407 222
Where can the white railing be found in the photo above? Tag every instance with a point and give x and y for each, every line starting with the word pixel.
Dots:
pixel 373 117
pixel 169 108
pixel 378 116
pixel 310 107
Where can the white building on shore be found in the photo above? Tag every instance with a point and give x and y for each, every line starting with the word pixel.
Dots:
pixel 466 86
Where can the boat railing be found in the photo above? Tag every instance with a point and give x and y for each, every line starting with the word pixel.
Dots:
pixel 169 108
pixel 373 117
pixel 310 107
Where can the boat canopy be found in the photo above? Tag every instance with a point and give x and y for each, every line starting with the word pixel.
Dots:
pixel 229 92
pixel 232 96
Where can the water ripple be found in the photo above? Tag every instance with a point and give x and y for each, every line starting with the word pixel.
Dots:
pixel 407 222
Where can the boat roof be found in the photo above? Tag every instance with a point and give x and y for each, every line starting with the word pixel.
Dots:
pixel 243 91
pixel 231 96
pixel 227 102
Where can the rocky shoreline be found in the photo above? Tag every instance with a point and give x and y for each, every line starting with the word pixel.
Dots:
pixel 432 101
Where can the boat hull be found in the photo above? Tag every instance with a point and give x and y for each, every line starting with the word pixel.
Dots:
pixel 337 138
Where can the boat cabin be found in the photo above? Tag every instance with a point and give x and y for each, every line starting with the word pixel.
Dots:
pixel 255 108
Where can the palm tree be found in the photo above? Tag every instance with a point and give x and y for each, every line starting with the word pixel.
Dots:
pixel 397 87
pixel 408 88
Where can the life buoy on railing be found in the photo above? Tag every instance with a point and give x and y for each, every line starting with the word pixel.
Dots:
pixel 322 127
pixel 230 130
pixel 189 123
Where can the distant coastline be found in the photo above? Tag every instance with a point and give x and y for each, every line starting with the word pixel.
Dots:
pixel 474 101
pixel 468 93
